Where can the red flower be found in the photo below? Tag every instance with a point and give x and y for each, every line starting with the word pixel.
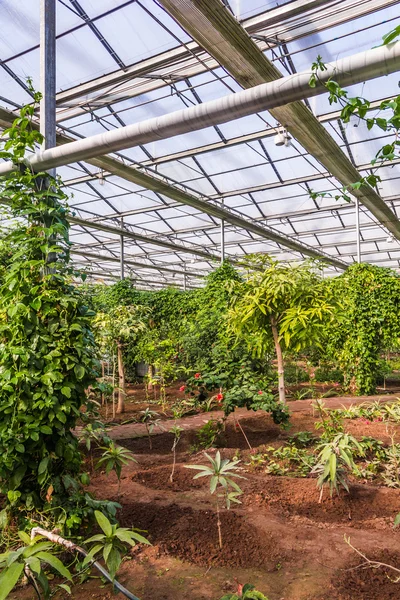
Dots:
pixel 242 367
pixel 182 388
pixel 260 392
pixel 197 376
pixel 220 397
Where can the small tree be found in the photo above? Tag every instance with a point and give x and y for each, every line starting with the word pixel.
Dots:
pixel 114 330
pixel 220 473
pixel 150 419
pixel 281 306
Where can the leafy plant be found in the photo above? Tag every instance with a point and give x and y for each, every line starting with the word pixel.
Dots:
pixel 334 461
pixel 302 393
pixel 331 420
pixel 111 543
pixel 220 473
pixel 116 328
pixel 113 459
pixel 245 592
pixel 30 561
pixel 302 438
pixel 48 353
pixel 281 306
pixel 208 433
pixel 150 419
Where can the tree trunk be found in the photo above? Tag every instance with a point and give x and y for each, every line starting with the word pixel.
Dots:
pixel 121 383
pixel 150 378
pixel 279 356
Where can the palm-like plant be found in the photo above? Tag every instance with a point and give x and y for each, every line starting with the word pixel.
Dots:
pixel 113 459
pixel 150 419
pixel 334 460
pixel 220 473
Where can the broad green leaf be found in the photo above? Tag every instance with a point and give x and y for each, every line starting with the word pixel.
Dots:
pixel 55 563
pixel 9 579
pixel 103 522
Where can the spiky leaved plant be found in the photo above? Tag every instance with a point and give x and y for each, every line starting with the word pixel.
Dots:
pixel 220 473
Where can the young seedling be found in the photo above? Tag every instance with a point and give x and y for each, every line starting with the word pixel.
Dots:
pixel 176 431
pixel 245 592
pixel 220 473
pixel 111 543
pixel 334 459
pixel 114 458
pixel 149 418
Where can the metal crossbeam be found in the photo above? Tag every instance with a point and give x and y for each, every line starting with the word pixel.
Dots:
pixel 159 185
pixel 216 30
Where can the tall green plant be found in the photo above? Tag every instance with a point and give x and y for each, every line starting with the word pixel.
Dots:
pixel 281 306
pixel 47 350
pixel 114 330
pixel 368 324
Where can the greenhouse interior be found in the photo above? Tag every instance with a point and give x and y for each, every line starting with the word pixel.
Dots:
pixel 200 299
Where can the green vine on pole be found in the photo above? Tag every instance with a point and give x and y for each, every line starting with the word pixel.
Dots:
pixel 48 353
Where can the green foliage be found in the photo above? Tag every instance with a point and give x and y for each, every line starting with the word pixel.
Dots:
pixel 359 107
pixel 245 592
pixel 334 461
pixel 114 458
pixel 294 296
pixel 207 434
pixel 368 323
pixel 150 419
pixel 111 543
pixel 295 374
pixel 285 460
pixel 31 560
pixel 328 373
pixel 46 345
pixel 220 472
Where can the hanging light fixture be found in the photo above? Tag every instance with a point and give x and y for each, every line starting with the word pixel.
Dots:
pixel 282 138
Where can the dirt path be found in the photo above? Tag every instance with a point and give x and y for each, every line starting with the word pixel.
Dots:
pixel 133 430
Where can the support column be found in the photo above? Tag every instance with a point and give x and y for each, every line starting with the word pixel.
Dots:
pixel 184 277
pixel 222 238
pixel 48 74
pixel 122 253
pixel 358 230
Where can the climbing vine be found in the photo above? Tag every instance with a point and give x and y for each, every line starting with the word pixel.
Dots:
pixel 368 323
pixel 46 347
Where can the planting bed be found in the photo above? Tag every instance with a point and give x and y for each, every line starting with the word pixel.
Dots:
pixel 280 538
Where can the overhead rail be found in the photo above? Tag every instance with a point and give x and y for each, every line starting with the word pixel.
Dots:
pixel 347 71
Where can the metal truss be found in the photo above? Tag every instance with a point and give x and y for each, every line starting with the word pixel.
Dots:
pixel 173 199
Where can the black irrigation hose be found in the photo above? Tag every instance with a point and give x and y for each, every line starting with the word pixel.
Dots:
pixel 57 539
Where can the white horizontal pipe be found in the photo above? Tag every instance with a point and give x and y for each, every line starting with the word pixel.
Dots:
pixel 352 69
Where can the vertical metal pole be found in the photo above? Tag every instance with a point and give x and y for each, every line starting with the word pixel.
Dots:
pixel 121 254
pixel 358 230
pixel 222 238
pixel 48 74
pixel 184 277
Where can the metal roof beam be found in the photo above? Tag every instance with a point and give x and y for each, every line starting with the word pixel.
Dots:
pixel 159 185
pixel 137 265
pixel 217 31
pixel 189 59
